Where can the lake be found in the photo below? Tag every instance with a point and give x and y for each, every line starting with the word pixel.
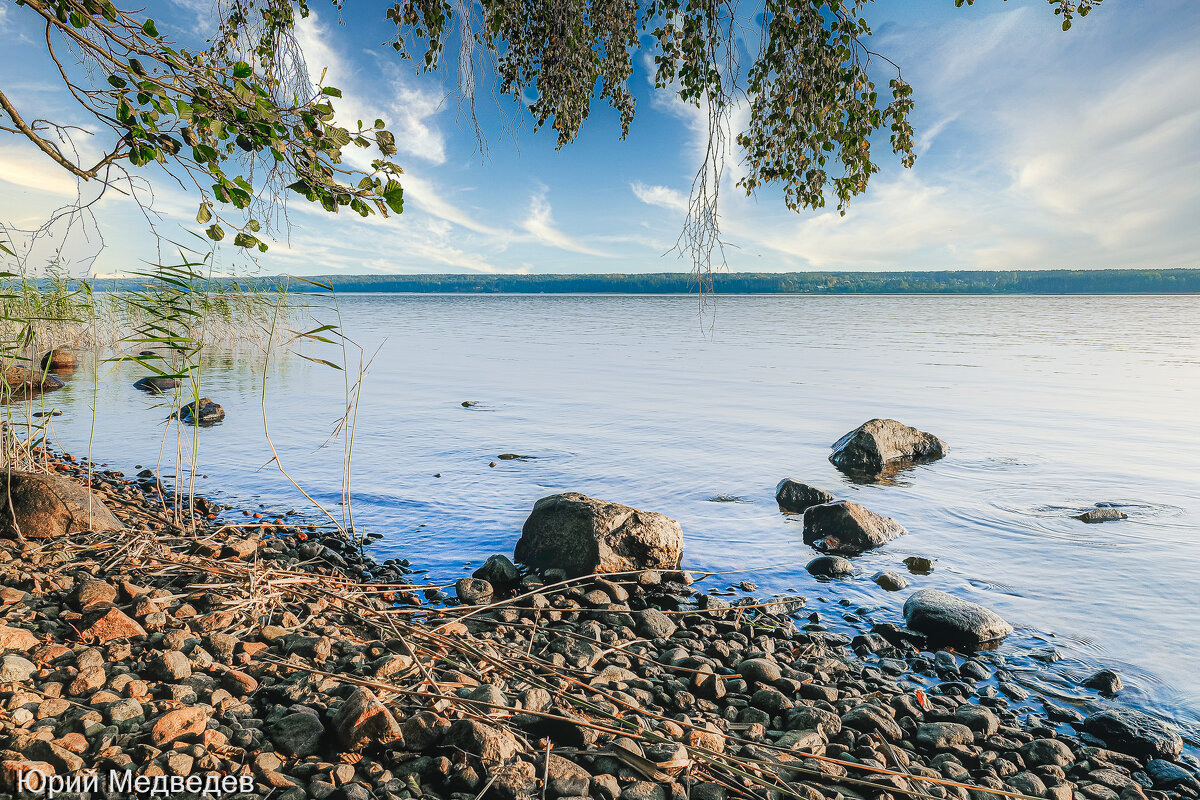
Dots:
pixel 1049 405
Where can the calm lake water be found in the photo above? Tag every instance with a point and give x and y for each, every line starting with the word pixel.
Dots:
pixel 1049 405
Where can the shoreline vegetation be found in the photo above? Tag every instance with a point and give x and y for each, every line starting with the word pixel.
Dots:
pixel 159 646
pixel 983 282
pixel 42 315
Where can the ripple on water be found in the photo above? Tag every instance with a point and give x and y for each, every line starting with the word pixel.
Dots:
pixel 1013 515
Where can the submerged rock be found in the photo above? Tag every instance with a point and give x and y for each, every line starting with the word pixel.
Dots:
pixel 795 497
pixel 847 528
pixel 1106 514
pixel 829 566
pixel 946 618
pixel 1135 733
pixel 890 581
pixel 1105 681
pixel 21 383
pixel 202 412
pixel 919 565
pixel 873 446
pixel 156 384
pixel 582 535
pixel 40 506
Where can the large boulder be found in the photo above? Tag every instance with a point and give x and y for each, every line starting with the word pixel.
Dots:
pixel 945 618
pixel 795 497
pixel 847 528
pixel 37 506
pixel 18 383
pixel 60 359
pixel 874 446
pixel 1135 733
pixel 582 535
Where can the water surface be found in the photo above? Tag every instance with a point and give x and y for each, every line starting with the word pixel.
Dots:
pixel 1049 405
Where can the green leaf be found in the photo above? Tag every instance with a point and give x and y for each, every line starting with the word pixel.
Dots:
pixel 149 29
pixel 245 240
pixel 393 195
pixel 117 81
pixel 330 91
pixel 215 232
pixel 242 70
pixel 204 214
pixel 340 136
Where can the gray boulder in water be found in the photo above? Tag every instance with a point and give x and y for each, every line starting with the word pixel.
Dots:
pixel 946 618
pixel 829 567
pixel 1106 514
pixel 874 446
pixel 846 528
pixel 1135 733
pixel 795 497
pixel 582 535
pixel 202 412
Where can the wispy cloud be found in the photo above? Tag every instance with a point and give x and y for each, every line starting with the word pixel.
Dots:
pixel 408 109
pixel 429 199
pixel 1017 170
pixel 663 196
pixel 540 225
pixel 30 169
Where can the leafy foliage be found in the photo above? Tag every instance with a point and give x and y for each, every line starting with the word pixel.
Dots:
pixel 238 131
pixel 240 120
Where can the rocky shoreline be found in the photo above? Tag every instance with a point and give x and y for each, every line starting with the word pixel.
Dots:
pixel 263 659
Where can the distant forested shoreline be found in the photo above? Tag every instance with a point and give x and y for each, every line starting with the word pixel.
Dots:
pixel 1105 281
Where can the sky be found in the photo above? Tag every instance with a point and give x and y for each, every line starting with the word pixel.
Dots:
pixel 1036 149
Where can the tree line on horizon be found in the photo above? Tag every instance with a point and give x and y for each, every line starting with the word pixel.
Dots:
pixel 1058 281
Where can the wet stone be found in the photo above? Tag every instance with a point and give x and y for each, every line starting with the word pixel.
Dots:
pixel 890 581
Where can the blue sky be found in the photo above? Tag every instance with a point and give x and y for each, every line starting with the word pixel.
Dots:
pixel 1037 149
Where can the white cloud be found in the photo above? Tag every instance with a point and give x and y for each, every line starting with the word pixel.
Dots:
pixel 29 168
pixel 1120 166
pixel 663 196
pixel 1094 166
pixel 430 200
pixel 408 110
pixel 540 225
